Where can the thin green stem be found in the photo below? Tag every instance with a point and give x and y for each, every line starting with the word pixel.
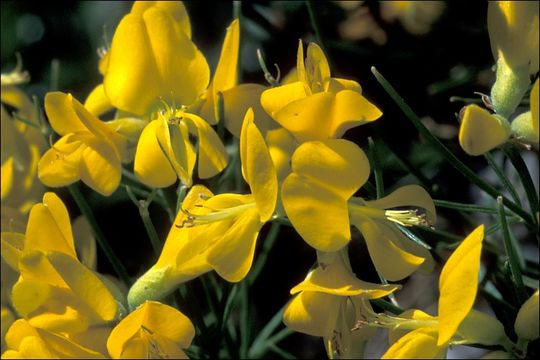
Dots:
pixel 221 116
pixel 244 321
pixel 258 347
pixel 525 177
pixel 55 75
pixel 315 25
pixel 502 177
pixel 263 256
pixel 446 153
pixel 229 306
pixel 180 195
pixel 377 171
pixel 407 166
pixel 143 205
pixel 465 207
pixel 100 237
pixel 511 251
pixel 388 306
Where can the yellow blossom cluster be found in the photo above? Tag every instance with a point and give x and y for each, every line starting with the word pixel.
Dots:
pixel 168 110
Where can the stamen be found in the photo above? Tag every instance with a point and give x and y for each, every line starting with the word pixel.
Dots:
pixel 213 216
pixel 411 217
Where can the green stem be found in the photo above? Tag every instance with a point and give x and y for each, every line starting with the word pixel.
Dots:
pixel 511 251
pixel 464 207
pixel 503 178
pixel 221 116
pixel 315 25
pixel 263 256
pixel 258 348
pixel 379 184
pixel 100 237
pixel 143 205
pixel 229 306
pixel 525 177
pixel 447 154
pixel 388 306
pixel 55 75
pixel 244 321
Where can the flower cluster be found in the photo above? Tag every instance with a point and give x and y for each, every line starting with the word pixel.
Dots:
pixel 287 142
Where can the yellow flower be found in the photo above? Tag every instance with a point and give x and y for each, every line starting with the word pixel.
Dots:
pixel 22 144
pixel 216 232
pixel 318 106
pixel 55 291
pixel 317 197
pixel 514 36
pixel 481 131
pixel 89 150
pixel 164 152
pixel 25 341
pixel 457 322
pixel 513 32
pixel 327 305
pixel 152 57
pixel 153 330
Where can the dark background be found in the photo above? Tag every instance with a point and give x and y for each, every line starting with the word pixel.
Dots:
pixel 454 59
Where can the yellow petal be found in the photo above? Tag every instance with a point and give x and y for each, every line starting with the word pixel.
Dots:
pixel 153 318
pixel 151 165
pixel 12 246
pixel 174 243
pixel 67 115
pixel 326 115
pixel 317 69
pixel 301 68
pixel 325 175
pixel 337 84
pixel 275 99
pixel 458 284
pixel 392 262
pixel 97 102
pixel 339 165
pixel 526 325
pixel 418 344
pixel 175 8
pixel 149 48
pixel 407 196
pixel 174 141
pixel 513 32
pixel 86 285
pixel 59 166
pixel 237 100
pixel 281 145
pixel 85 243
pixel 225 76
pixel 258 168
pixel 100 167
pixel 33 342
pixel 232 256
pixel 319 215
pixel 14 146
pixel 399 331
pixel 212 152
pixel 336 279
pixel 49 228
pixel 312 313
pixel 480 131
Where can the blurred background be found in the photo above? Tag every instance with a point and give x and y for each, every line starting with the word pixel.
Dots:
pixel 431 51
